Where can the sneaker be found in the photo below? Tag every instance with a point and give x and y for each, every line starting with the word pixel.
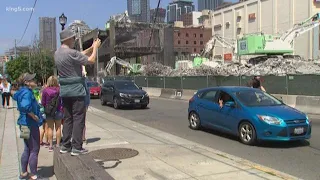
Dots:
pixel 64 150
pixel 76 152
pixel 50 149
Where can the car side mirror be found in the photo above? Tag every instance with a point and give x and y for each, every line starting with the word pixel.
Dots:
pixel 111 89
pixel 140 87
pixel 230 104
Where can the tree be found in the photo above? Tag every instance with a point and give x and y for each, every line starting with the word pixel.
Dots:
pixel 14 68
pixel 39 61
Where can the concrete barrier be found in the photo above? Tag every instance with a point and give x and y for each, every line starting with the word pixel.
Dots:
pixel 156 92
pixel 187 94
pixel 290 100
pixel 171 93
pixel 306 104
pixel 77 168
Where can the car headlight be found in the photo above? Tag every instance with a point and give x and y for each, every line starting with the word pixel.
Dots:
pixel 270 120
pixel 146 95
pixel 308 120
pixel 123 95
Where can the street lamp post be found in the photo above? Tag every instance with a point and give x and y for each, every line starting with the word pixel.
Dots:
pixel 63 20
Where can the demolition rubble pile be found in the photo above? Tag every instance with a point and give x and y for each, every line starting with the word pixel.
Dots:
pixel 272 66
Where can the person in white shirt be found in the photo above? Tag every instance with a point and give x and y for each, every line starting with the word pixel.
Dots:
pixel 5 86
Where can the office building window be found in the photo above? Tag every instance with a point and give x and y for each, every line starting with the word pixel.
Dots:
pixel 195 49
pixel 201 42
pixel 178 34
pixel 201 35
pixel 178 42
pixel 187 35
pixel 194 42
pixel 187 42
pixel 194 35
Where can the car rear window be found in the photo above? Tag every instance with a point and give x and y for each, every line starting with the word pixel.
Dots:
pixel 126 85
pixel 93 84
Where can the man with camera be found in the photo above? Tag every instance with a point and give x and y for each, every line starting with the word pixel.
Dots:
pixel 69 64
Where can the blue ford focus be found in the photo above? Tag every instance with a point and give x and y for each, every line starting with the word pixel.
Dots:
pixel 248 113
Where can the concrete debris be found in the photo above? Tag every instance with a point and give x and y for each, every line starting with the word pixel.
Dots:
pixel 272 66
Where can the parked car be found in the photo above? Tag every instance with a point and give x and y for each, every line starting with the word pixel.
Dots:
pixel 248 113
pixel 123 93
pixel 94 88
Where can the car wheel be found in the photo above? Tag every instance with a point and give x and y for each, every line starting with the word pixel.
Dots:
pixel 247 133
pixel 116 103
pixel 194 121
pixel 103 102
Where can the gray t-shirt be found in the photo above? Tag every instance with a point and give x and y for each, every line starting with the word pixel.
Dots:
pixel 69 62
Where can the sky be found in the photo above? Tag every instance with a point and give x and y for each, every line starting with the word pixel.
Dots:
pixel 14 15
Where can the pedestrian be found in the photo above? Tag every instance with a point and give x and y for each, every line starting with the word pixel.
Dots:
pixel 29 121
pixel 6 87
pixel 69 64
pixel 53 110
pixel 87 103
pixel 44 127
pixel 256 83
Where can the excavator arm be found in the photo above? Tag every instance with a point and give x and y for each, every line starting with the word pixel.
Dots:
pixel 119 61
pixel 225 42
pixel 301 28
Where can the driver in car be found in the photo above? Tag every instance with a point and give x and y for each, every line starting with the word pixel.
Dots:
pixel 223 99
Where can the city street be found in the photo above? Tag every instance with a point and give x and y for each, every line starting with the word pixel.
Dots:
pixel 298 159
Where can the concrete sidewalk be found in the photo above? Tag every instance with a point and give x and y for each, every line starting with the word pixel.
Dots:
pixel 165 156
pixel 11 147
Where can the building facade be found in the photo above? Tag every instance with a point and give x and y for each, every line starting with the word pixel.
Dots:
pixel 160 16
pixel 191 19
pixel 48 33
pixel 270 17
pixel 206 19
pixel 139 10
pixel 177 8
pixel 209 4
pixel 190 40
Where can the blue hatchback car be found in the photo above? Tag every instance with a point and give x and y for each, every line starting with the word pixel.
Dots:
pixel 248 113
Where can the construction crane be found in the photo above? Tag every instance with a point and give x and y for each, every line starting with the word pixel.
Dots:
pixel 275 45
pixel 225 42
pixel 133 68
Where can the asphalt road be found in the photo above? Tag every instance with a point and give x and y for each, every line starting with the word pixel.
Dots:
pixel 298 159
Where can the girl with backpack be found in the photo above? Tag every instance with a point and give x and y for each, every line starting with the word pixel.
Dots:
pixel 52 104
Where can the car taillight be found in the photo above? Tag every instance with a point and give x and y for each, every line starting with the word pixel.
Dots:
pixel 191 100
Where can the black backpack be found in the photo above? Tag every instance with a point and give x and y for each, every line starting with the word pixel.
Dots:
pixel 51 108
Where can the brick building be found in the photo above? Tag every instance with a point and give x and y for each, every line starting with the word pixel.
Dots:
pixel 190 40
pixel 191 19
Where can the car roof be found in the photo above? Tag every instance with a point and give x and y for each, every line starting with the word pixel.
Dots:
pixel 229 89
pixel 123 81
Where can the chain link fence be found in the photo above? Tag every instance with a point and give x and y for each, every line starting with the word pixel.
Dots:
pixel 290 84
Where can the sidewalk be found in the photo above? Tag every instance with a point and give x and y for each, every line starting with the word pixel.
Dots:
pixel 160 155
pixel 11 147
pixel 165 156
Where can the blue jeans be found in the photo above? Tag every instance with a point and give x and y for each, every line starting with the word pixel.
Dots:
pixel 31 151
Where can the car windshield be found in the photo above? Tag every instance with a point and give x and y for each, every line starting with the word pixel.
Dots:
pixel 126 85
pixel 93 84
pixel 257 98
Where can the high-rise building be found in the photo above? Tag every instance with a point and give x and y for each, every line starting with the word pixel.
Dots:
pixel 161 15
pixel 139 10
pixel 177 8
pixel 48 33
pixel 209 4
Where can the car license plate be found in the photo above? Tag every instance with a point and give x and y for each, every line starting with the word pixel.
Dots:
pixel 299 130
pixel 96 94
pixel 137 100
